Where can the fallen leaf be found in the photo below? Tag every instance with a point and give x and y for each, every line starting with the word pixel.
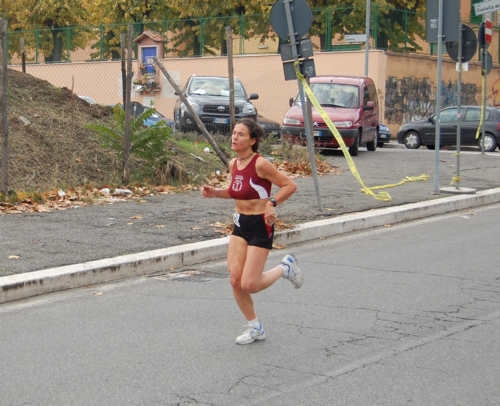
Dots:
pixel 136 217
pixel 98 294
pixel 196 228
pixel 14 257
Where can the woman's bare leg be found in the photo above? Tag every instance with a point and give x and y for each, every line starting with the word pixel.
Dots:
pixel 246 265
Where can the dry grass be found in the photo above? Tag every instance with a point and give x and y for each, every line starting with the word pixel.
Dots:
pixel 56 149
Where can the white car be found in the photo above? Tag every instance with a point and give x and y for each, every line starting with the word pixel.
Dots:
pixel 88 99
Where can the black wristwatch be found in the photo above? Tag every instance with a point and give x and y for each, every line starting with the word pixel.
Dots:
pixel 273 201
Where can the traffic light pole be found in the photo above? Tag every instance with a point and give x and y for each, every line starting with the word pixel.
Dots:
pixel 307 123
pixel 459 102
pixel 460 59
pixel 457 189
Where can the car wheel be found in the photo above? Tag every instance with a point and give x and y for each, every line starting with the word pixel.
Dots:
pixel 380 144
pixel 354 148
pixel 412 140
pixel 177 121
pixel 372 145
pixel 182 127
pixel 490 143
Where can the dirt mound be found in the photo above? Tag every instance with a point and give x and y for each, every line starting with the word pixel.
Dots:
pixel 49 144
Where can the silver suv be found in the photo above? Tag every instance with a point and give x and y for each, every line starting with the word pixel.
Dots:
pixel 209 98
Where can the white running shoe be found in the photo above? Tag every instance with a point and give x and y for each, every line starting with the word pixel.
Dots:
pixel 292 271
pixel 250 335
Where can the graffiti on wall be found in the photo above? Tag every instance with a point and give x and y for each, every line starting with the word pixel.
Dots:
pixel 411 98
pixel 495 91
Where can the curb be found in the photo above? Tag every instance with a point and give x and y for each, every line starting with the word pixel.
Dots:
pixel 22 286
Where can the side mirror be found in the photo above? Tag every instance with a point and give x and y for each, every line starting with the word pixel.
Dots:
pixel 254 96
pixel 290 102
pixel 430 119
pixel 369 105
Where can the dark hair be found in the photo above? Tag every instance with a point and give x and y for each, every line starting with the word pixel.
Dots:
pixel 255 131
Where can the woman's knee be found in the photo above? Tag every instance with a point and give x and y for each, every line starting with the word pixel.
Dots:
pixel 235 282
pixel 250 286
pixel 246 285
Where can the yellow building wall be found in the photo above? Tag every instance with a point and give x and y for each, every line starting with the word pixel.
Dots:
pixel 406 83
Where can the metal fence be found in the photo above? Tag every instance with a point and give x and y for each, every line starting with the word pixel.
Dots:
pixel 89 57
pixel 393 29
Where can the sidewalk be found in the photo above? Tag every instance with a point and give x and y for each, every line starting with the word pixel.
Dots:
pixel 94 244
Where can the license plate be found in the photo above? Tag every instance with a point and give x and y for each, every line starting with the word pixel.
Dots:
pixel 221 121
pixel 317 133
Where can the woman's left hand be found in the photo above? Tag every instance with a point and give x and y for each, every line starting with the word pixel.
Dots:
pixel 270 215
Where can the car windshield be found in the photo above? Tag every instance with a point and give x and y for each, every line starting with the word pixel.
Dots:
pixel 334 94
pixel 157 115
pixel 215 87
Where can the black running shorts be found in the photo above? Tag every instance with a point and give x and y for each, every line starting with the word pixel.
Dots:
pixel 254 230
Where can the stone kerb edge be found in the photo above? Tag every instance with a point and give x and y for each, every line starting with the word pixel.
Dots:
pixel 15 287
pixel 391 215
pixel 21 286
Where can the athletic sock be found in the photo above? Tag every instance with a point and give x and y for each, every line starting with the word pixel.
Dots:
pixel 254 324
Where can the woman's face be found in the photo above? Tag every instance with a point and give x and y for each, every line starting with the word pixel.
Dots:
pixel 240 139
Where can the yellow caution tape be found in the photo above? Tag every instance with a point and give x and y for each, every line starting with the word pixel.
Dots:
pixel 405 180
pixel 368 190
pixel 455 179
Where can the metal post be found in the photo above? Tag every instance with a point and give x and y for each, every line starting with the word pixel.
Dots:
pixel 367 40
pixel 230 71
pixel 438 97
pixel 484 57
pixel 459 102
pixel 4 126
pixel 457 189
pixel 293 44
pixel 483 63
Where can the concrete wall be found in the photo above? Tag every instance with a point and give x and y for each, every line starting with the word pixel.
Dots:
pixel 411 84
pixel 406 83
pixel 262 74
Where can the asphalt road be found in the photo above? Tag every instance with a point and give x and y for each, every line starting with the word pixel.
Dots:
pixel 31 242
pixel 408 314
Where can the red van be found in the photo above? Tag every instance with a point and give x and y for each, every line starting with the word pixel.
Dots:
pixel 351 103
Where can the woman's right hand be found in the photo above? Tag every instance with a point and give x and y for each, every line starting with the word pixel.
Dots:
pixel 208 191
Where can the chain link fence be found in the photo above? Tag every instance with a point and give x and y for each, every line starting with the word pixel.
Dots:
pixel 90 56
pixel 393 29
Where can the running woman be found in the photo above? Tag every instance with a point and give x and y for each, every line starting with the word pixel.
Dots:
pixel 252 177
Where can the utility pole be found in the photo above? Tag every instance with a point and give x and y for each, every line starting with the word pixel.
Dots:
pixel 367 40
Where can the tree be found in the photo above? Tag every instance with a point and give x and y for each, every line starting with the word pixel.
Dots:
pixel 149 144
pixel 113 16
pixel 197 27
pixel 397 21
pixel 202 26
pixel 52 19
